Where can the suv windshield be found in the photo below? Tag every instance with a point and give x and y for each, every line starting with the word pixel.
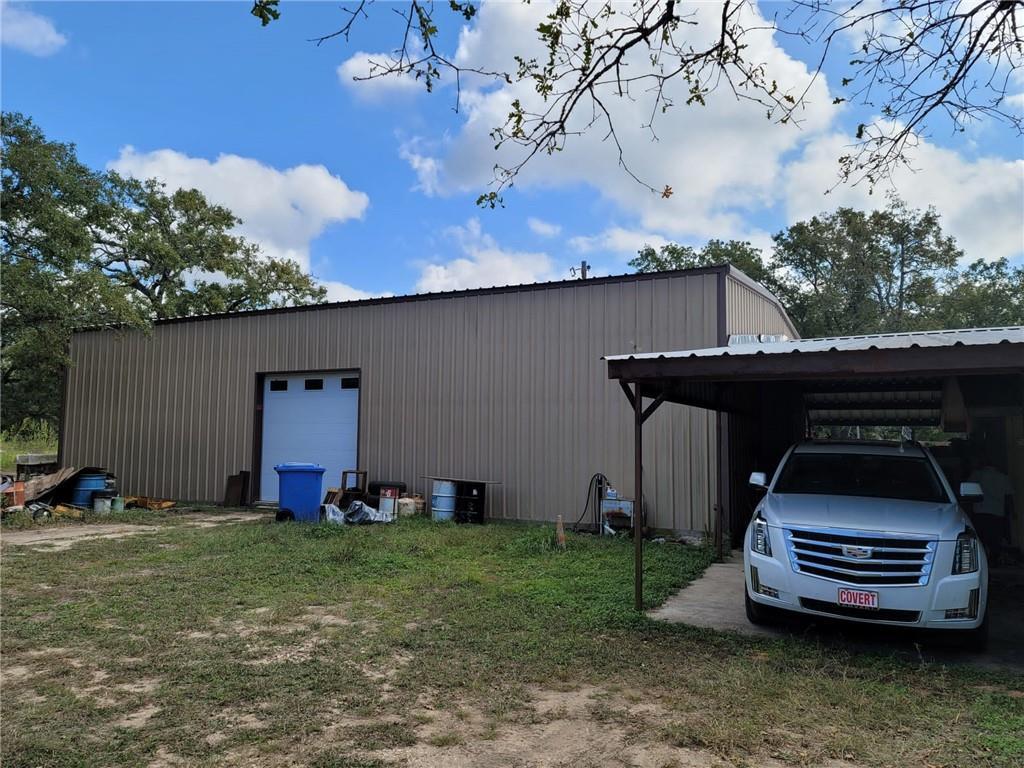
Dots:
pixel 908 478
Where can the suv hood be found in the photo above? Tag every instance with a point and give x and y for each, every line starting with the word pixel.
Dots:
pixel 922 518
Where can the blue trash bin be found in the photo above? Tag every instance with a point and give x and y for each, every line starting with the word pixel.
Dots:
pixel 300 490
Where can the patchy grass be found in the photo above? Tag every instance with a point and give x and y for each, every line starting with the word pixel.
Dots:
pixel 10 449
pixel 390 645
pixel 22 519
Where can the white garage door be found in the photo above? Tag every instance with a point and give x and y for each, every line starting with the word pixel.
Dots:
pixel 309 417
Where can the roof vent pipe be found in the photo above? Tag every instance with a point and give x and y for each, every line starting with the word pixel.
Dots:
pixel 736 339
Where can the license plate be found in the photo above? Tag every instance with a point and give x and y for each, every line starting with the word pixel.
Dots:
pixel 858 598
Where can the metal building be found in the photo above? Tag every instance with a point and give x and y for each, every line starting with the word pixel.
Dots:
pixel 503 384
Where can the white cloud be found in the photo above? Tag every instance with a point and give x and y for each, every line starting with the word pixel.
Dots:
pixel 723 160
pixel 343 292
pixel 27 31
pixel 282 210
pixel 483 264
pixel 981 201
pixel 543 228
pixel 617 240
pixel 426 168
pixel 362 65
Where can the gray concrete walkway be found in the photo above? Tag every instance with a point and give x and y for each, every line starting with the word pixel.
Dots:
pixel 715 600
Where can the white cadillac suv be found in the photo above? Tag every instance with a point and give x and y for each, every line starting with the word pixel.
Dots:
pixel 868 532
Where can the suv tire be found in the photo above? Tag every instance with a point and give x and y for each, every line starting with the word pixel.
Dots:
pixel 975 640
pixel 756 614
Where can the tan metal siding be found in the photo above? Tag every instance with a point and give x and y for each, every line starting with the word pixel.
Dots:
pixel 750 311
pixel 506 386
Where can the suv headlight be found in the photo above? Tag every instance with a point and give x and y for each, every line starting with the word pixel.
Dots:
pixel 760 542
pixel 965 556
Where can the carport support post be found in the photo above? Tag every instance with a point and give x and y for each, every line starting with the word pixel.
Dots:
pixel 638 499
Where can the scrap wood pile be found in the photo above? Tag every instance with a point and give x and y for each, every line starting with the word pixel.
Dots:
pixel 69 493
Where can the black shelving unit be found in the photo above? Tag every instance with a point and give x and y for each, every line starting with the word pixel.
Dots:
pixel 470 497
pixel 470 501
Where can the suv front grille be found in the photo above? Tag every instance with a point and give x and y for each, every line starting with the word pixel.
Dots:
pixel 855 557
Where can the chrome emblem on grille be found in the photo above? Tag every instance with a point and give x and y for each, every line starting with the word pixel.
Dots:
pixel 858 552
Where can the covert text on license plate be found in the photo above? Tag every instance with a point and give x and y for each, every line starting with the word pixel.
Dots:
pixel 858 598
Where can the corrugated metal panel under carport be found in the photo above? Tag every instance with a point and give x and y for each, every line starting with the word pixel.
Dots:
pixel 506 385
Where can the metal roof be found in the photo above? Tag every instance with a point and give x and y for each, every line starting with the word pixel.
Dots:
pixel 911 340
pixel 630 277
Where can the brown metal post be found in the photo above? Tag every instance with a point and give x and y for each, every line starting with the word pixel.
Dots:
pixel 722 469
pixel 638 500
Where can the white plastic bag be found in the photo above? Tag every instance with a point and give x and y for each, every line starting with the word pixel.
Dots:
pixel 333 514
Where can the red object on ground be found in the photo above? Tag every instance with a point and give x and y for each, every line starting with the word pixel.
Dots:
pixel 16 494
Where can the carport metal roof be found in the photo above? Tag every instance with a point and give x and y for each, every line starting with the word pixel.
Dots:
pixel 924 353
pixel 909 378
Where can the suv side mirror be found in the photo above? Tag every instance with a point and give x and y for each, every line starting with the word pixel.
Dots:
pixel 758 480
pixel 971 492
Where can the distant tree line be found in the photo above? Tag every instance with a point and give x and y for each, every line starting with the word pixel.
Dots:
pixel 851 272
pixel 82 247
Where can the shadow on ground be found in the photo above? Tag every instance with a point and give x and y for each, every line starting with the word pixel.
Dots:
pixel 716 601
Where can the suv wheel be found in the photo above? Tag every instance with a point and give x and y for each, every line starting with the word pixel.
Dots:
pixel 756 613
pixel 975 640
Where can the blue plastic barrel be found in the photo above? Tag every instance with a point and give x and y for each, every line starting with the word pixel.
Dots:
pixel 442 501
pixel 438 513
pixel 300 489
pixel 85 486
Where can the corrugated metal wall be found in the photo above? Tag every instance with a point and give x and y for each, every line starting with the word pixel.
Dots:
pixel 754 444
pixel 508 386
pixel 749 310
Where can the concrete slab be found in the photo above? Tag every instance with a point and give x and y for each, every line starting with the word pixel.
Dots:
pixel 715 600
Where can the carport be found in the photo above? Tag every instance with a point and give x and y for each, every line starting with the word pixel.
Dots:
pixel 770 393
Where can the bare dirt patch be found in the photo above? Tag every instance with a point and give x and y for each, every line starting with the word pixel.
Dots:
pixel 328 615
pixel 138 718
pixel 210 520
pixel 309 630
pixel 292 653
pixel 385 668
pixel 215 738
pixel 586 726
pixel 58 538
pixel 140 686
pixel 235 719
pixel 17 673
pixel 164 758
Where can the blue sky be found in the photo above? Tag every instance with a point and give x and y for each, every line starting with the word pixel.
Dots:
pixel 372 185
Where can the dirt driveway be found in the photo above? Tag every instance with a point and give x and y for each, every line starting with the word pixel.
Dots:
pixel 56 538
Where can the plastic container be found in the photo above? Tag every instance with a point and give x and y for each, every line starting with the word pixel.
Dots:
pixel 101 502
pixel 406 507
pixel 117 504
pixel 85 487
pixel 438 513
pixel 442 501
pixel 301 488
